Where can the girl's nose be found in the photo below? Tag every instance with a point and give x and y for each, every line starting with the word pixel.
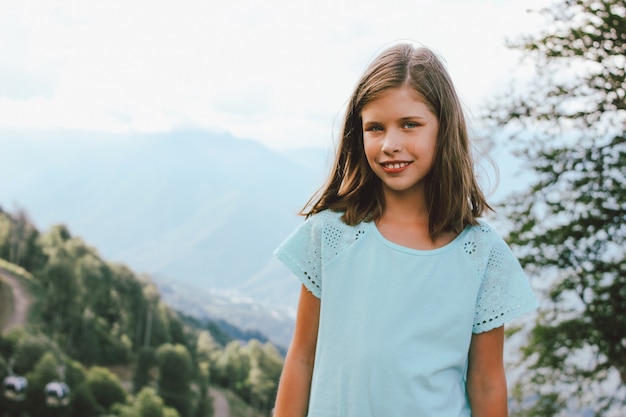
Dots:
pixel 392 143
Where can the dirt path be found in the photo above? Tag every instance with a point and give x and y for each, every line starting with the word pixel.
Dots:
pixel 16 299
pixel 220 404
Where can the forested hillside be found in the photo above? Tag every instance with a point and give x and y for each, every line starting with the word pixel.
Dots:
pixel 105 333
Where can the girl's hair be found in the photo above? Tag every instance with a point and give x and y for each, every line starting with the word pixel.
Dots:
pixel 453 196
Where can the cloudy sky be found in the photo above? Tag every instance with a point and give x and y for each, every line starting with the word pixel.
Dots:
pixel 278 71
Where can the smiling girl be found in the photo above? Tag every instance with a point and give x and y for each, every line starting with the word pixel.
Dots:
pixel 405 291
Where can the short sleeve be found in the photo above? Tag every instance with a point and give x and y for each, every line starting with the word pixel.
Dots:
pixel 505 292
pixel 301 253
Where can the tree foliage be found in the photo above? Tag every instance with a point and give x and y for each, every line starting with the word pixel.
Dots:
pixel 106 387
pixel 175 378
pixel 99 312
pixel 18 240
pixel 93 312
pixel 251 371
pixel 265 369
pixel 569 227
pixel 146 404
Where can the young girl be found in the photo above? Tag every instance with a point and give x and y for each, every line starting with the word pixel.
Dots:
pixel 405 292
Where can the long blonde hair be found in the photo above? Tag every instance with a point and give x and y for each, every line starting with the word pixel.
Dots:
pixel 452 193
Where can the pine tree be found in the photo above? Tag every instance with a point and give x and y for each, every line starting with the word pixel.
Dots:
pixel 568 229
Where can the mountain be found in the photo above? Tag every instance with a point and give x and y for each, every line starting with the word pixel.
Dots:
pixel 196 209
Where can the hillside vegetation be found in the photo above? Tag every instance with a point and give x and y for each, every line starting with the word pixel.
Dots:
pixel 105 332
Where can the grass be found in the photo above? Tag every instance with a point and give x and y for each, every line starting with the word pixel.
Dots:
pixel 6 302
pixel 15 270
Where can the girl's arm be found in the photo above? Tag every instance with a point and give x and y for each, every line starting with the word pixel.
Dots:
pixel 292 399
pixel 486 380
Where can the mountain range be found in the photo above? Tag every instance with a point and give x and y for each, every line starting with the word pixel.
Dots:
pixel 200 212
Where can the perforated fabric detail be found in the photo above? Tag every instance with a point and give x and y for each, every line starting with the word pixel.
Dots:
pixel 469 246
pixel 504 291
pixel 315 243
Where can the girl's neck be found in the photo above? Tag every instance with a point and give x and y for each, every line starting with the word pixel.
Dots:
pixel 406 207
pixel 404 221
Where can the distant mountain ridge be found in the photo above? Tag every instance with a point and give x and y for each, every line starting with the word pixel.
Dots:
pixel 189 207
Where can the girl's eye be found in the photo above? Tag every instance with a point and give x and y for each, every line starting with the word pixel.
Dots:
pixel 410 125
pixel 373 128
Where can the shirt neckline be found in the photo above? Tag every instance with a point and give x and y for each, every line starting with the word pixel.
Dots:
pixel 448 246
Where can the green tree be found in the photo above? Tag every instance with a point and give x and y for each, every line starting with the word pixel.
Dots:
pixel 4 366
pixel 61 306
pixel 206 350
pixel 18 240
pixel 206 346
pixel 146 361
pixel 232 369
pixel 147 404
pixel 265 369
pixel 46 370
pixel 5 235
pixel 133 303
pixel 10 340
pixel 105 387
pixel 29 350
pixel 569 227
pixel 175 378
pixel 23 248
pixel 150 317
pixel 205 402
pixel 90 307
pixel 84 403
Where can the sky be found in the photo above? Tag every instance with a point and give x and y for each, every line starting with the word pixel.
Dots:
pixel 276 71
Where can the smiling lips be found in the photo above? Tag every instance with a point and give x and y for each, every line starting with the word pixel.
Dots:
pixel 395 166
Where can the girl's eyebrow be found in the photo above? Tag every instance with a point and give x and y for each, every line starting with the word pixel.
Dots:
pixel 402 119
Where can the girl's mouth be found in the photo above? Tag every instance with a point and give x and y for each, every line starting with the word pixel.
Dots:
pixel 394 166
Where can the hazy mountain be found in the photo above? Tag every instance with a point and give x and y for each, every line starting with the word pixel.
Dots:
pixel 200 212
pixel 192 208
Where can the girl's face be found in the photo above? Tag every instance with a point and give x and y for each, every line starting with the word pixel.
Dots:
pixel 399 138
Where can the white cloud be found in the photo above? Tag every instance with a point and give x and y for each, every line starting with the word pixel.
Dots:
pixel 275 71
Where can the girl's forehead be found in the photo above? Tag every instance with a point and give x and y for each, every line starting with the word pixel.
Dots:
pixel 395 96
pixel 405 88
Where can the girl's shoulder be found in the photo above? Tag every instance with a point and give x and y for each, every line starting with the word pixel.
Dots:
pixel 483 241
pixel 328 226
pixel 485 233
pixel 316 242
pixel 323 234
pixel 484 244
pixel 330 218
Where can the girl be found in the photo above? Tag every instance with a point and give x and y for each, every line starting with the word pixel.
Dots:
pixel 405 292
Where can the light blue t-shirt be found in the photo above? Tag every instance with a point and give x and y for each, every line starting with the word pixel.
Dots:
pixel 396 323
